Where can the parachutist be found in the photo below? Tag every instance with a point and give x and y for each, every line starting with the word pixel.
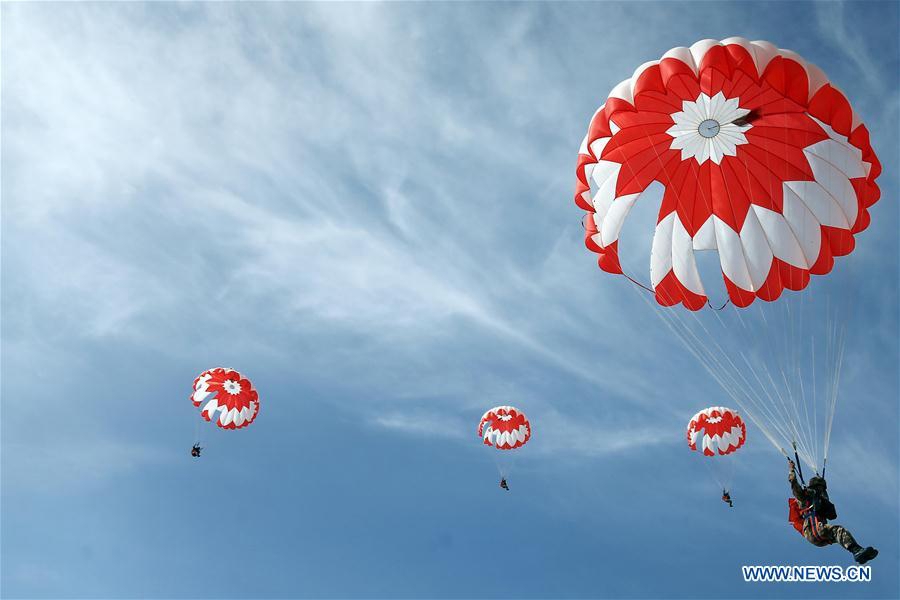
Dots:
pixel 726 498
pixel 503 484
pixel 810 510
pixel 195 451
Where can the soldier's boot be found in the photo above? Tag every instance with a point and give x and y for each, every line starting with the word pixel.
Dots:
pixel 864 555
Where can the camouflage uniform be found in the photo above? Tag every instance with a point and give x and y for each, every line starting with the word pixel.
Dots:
pixel 816 530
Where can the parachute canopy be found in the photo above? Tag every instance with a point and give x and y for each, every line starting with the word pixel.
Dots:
pixel 504 428
pixel 227 397
pixel 761 157
pixel 716 431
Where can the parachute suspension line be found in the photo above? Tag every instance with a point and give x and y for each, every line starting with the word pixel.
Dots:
pixel 796 345
pixel 787 407
pixel 829 365
pixel 797 337
pixel 833 351
pixel 779 419
pixel 766 328
pixel 835 391
pixel 506 461
pixel 764 408
pixel 757 410
pixel 693 344
pixel 788 414
pixel 784 404
pixel 736 387
pixel 847 306
pixel 784 412
pixel 712 364
pixel 723 475
pixel 732 467
pixel 815 419
pixel 799 466
pixel 729 379
pixel 751 332
pixel 835 386
pixel 713 474
pixel 793 384
pixel 637 283
pixel 500 469
pixel 837 347
pixel 841 344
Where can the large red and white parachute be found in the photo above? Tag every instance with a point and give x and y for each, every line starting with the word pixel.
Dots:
pixel 227 397
pixel 762 159
pixel 716 431
pixel 504 428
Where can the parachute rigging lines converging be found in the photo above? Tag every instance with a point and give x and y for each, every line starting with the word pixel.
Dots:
pixel 780 363
pixel 762 161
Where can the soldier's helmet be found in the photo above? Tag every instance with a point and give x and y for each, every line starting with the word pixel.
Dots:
pixel 817 482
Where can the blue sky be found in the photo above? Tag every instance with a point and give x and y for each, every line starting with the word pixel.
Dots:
pixel 367 209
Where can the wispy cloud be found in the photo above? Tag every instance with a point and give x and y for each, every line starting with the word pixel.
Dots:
pixel 423 424
pixel 574 435
pixel 292 201
pixel 70 465
pixel 851 42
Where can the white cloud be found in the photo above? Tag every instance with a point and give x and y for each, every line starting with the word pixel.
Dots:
pixel 70 464
pixel 577 435
pixel 430 425
pixel 832 23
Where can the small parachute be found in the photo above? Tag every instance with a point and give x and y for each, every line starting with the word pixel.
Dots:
pixel 225 396
pixel 716 431
pixel 504 428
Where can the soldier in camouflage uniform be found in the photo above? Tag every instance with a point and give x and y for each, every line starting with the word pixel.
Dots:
pixel 816 509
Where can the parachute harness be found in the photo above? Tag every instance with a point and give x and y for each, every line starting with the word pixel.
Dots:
pixel 808 511
pixel 812 522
